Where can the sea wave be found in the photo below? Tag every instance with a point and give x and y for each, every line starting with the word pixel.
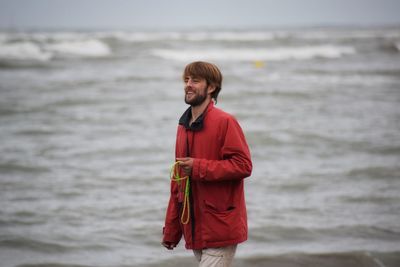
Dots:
pixel 42 52
pixel 13 167
pixel 33 245
pixel 44 246
pixel 85 48
pixel 248 54
pixel 23 51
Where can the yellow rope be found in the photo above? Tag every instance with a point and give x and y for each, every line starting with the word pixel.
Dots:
pixel 174 173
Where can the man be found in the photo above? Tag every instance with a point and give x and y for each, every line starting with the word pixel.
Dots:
pixel 207 203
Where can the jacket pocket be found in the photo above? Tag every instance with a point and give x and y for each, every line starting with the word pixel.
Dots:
pixel 222 225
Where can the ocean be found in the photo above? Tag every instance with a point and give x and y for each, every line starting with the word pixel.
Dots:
pixel 88 122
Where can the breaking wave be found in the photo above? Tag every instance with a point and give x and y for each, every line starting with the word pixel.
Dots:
pixel 31 51
pixel 88 48
pixel 23 51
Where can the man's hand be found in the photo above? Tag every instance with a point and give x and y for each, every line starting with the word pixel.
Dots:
pixel 186 164
pixel 168 245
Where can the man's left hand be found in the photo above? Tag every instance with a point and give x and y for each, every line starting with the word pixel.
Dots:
pixel 186 164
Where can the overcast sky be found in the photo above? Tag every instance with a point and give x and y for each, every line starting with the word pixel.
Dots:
pixel 175 14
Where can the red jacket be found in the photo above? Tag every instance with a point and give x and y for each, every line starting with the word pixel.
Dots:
pixel 221 162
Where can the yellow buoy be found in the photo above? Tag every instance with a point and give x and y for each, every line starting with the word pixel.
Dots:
pixel 259 64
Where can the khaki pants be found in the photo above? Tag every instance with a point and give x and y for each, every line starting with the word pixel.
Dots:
pixel 215 257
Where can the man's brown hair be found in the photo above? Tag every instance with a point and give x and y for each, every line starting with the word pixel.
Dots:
pixel 207 71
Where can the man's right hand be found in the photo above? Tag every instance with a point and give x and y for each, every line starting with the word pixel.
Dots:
pixel 168 245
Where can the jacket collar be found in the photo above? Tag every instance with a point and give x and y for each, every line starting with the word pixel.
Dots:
pixel 198 124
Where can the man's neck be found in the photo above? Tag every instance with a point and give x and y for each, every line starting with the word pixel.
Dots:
pixel 198 110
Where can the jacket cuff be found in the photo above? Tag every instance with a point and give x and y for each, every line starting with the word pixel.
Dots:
pixel 199 169
pixel 171 235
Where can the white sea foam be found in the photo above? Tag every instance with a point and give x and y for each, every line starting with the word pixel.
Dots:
pixel 44 49
pixel 49 37
pixel 85 48
pixel 23 51
pixel 273 54
pixel 140 36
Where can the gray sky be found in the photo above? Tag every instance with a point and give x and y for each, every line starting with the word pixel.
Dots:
pixel 170 14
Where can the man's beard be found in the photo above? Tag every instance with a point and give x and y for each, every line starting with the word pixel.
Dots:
pixel 198 98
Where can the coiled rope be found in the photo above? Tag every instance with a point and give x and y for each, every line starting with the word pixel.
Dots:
pixel 174 174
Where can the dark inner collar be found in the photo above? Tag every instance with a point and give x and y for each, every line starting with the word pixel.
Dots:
pixel 197 125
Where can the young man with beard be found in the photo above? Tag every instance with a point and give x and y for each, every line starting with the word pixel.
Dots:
pixel 207 203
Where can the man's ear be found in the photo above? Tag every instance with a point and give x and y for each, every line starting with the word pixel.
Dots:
pixel 211 88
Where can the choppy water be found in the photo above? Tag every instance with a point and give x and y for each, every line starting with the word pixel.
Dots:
pixel 87 128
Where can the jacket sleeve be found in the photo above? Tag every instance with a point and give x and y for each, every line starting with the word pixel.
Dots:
pixel 235 161
pixel 172 230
